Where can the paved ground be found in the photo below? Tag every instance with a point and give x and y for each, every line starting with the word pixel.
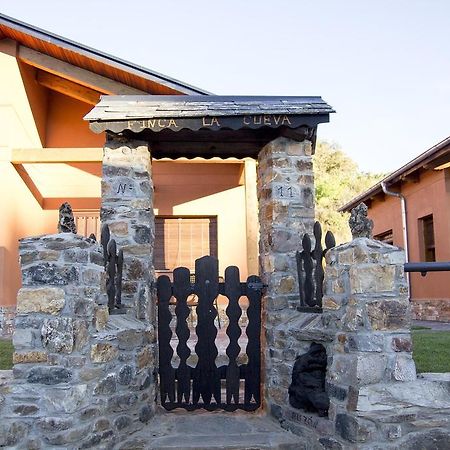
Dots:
pixel 434 325
pixel 205 430
pixel 5 376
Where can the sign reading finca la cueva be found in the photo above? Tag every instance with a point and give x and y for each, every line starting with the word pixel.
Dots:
pixel 215 122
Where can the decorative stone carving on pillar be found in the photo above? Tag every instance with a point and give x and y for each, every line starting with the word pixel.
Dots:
pixel 286 212
pixel 127 207
pixel 66 221
pixel 360 224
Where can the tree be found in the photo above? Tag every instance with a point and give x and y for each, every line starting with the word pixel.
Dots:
pixel 337 180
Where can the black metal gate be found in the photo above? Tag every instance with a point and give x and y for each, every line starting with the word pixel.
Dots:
pixel 206 384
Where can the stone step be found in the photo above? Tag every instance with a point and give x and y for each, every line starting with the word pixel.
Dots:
pixel 206 430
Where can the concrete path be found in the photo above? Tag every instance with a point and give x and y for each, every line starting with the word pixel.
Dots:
pixel 432 324
pixel 212 430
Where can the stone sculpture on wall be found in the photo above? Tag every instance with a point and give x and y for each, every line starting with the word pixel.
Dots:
pixel 360 224
pixel 66 221
pixel 307 390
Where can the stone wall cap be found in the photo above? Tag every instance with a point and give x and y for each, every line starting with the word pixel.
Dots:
pixel 119 323
pixel 434 376
pixel 54 237
pixel 366 243
pixel 125 322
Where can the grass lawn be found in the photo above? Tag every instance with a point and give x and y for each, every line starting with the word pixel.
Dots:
pixel 431 350
pixel 6 351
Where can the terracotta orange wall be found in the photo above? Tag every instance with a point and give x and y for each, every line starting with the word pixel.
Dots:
pixel 33 117
pixel 30 117
pixel 207 189
pixel 21 216
pixel 20 213
pixel 65 124
pixel 429 196
pixel 38 98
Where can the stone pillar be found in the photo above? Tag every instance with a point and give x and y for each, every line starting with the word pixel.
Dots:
pixel 127 207
pixel 286 212
pixel 366 306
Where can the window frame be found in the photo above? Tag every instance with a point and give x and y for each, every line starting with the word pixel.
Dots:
pixel 427 246
pixel 385 234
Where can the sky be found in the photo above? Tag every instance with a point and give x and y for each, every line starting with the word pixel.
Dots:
pixel 384 65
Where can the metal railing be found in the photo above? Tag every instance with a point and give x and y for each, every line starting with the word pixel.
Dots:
pixel 424 267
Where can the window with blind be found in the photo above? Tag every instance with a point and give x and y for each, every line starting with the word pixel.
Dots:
pixel 179 241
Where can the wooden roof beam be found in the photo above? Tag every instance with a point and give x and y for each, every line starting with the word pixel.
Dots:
pixel 55 155
pixel 29 183
pixel 75 74
pixel 69 88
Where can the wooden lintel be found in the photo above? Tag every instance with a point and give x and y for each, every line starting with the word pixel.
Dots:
pixel 69 88
pixel 55 155
pixel 75 203
pixel 74 73
pixel 29 183
pixel 199 160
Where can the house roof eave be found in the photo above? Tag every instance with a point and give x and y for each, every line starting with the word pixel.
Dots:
pixel 417 163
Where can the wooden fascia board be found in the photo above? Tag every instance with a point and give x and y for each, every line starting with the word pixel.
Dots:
pixel 75 74
pixel 69 88
pixel 29 183
pixel 56 155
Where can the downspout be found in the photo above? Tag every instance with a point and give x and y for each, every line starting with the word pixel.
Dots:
pixel 404 223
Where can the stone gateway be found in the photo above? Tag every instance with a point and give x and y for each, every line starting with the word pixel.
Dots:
pixel 86 376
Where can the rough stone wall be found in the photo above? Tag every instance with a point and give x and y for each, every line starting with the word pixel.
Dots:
pixel 127 207
pixel 376 399
pixel 366 305
pixel 432 309
pixel 81 378
pixel 286 212
pixel 7 314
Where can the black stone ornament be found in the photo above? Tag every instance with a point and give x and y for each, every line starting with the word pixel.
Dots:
pixel 307 390
pixel 66 221
pixel 360 224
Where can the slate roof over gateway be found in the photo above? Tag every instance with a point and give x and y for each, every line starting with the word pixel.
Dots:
pixel 134 112
pixel 145 107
